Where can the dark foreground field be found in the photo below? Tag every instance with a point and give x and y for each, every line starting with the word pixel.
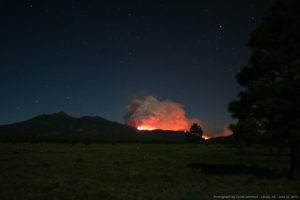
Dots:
pixel 140 171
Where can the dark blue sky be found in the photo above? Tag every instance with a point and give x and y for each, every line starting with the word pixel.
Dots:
pixel 92 58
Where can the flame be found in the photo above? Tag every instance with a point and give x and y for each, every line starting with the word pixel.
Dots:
pixel 157 123
pixel 205 137
pixel 148 128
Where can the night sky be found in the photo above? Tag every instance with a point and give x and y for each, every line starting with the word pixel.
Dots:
pixel 93 57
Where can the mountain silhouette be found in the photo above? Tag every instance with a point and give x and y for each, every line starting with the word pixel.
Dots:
pixel 61 127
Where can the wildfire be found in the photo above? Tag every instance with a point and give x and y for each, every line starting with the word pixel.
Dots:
pixel 205 137
pixel 150 113
pixel 148 128
pixel 146 125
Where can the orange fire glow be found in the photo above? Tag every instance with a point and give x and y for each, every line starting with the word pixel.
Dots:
pixel 148 128
pixel 157 123
pixel 205 137
pixel 150 113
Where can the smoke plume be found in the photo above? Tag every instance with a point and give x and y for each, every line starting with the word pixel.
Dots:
pixel 149 113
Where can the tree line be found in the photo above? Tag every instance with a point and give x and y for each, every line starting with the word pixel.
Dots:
pixel 268 107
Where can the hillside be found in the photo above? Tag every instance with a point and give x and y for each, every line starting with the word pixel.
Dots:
pixel 61 127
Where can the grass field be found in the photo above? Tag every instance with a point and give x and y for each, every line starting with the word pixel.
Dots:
pixel 140 171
